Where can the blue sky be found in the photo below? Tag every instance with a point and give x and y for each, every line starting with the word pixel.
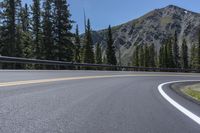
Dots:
pixel 114 12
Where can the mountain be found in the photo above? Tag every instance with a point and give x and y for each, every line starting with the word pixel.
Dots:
pixel 153 27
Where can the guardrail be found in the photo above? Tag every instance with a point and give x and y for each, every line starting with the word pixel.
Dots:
pixel 18 60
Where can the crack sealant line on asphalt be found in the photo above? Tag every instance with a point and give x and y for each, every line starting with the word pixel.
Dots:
pixel 182 109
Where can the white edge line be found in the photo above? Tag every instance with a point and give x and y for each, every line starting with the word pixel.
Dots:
pixel 177 105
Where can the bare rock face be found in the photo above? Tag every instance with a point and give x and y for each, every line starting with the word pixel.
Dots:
pixel 153 27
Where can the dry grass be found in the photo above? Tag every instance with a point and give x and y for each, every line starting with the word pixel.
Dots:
pixel 192 91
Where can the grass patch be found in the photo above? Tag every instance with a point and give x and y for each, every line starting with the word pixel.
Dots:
pixel 192 91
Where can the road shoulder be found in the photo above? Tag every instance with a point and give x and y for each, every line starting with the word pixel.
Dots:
pixel 177 88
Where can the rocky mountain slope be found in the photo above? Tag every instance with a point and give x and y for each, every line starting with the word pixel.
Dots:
pixel 153 27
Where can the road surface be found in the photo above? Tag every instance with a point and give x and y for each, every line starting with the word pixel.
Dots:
pixel 107 104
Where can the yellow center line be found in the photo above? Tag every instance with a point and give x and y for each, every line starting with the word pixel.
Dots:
pixel 16 83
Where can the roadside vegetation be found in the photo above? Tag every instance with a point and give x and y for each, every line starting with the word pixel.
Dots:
pixel 192 91
pixel 43 30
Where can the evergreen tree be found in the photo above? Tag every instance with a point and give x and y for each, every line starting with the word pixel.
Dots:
pixel 98 54
pixel 184 54
pixel 47 31
pixel 141 56
pixel 36 27
pixel 19 41
pixel 1 13
pixel 82 52
pixel 104 60
pixel 62 31
pixel 136 56
pixel 146 56
pixel 25 18
pixel 111 58
pixel 193 56
pixel 10 29
pixel 152 56
pixel 77 50
pixel 26 33
pixel 176 51
pixel 166 59
pixel 88 52
pixel 8 33
pixel 198 51
pixel 169 54
pixel 166 56
pixel 162 58
pixel 1 29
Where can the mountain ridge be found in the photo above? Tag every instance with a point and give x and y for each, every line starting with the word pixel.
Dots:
pixel 153 27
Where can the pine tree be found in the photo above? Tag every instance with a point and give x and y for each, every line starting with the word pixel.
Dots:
pixel 166 59
pixel 193 56
pixel 26 34
pixel 166 56
pixel 47 49
pixel 98 53
pixel 136 56
pixel 152 55
pixel 82 52
pixel 1 29
pixel 36 27
pixel 10 30
pixel 104 60
pixel 88 48
pixel 1 13
pixel 77 50
pixel 62 31
pixel 198 51
pixel 162 58
pixel 176 51
pixel 110 52
pixel 8 36
pixel 146 56
pixel 141 56
pixel 169 54
pixel 184 54
pixel 25 18
pixel 19 41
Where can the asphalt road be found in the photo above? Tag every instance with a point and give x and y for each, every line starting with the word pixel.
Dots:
pixel 130 104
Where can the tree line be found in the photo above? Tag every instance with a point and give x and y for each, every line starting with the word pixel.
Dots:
pixel 170 55
pixel 42 30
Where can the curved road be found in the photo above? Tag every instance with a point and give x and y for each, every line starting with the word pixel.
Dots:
pixel 118 104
